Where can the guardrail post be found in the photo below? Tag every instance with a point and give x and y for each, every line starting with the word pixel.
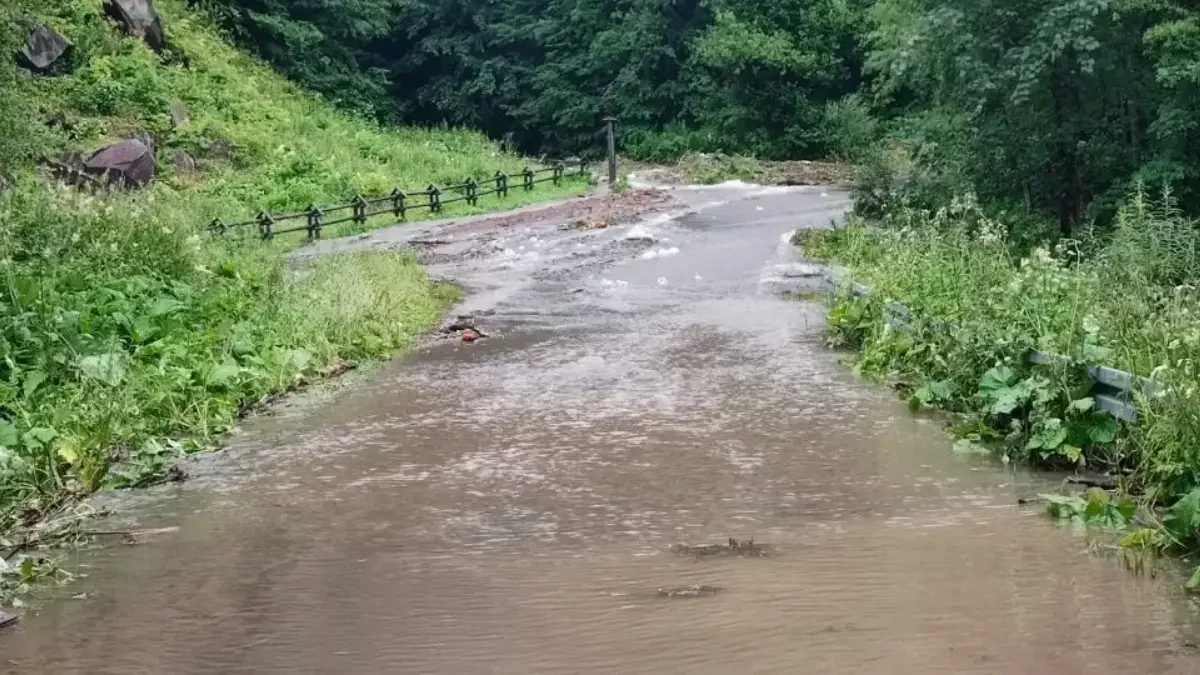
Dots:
pixel 527 177
pixel 501 184
pixel 472 187
pixel 435 199
pixel 217 227
pixel 611 124
pixel 360 209
pixel 265 222
pixel 314 222
pixel 399 208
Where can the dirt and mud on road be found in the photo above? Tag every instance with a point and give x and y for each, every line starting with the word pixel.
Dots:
pixel 651 464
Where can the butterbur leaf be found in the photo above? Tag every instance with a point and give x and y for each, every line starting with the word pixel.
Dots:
pixel 1082 405
pixel 32 381
pixel 300 358
pixel 997 378
pixel 1183 517
pixel 8 434
pixel 39 436
pixel 223 374
pixel 1193 584
pixel 1103 429
pixel 1073 453
pixel 107 369
pixel 68 451
pixel 165 305
pixel 1126 507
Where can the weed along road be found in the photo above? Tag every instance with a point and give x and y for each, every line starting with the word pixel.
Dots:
pixel 560 494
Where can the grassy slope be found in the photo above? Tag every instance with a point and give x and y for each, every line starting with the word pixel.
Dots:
pixel 130 336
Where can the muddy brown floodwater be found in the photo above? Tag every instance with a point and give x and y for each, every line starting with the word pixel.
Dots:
pixel 510 506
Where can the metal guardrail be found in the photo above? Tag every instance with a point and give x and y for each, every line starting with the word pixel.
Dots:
pixel 1112 389
pixel 397 204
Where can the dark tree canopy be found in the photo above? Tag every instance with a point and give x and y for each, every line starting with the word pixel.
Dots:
pixel 1057 105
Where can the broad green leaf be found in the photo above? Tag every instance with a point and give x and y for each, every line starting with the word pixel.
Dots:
pixel 107 369
pixel 9 437
pixel 1183 517
pixel 1194 583
pixel 165 305
pixel 223 374
pixel 997 378
pixel 1103 429
pixel 69 451
pixel 300 358
pixel 32 381
pixel 1082 405
pixel 1073 453
pixel 39 436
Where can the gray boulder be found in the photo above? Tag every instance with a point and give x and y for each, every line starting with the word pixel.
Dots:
pixel 43 48
pixel 129 163
pixel 139 19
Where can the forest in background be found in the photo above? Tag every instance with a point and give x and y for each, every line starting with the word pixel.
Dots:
pixel 1051 107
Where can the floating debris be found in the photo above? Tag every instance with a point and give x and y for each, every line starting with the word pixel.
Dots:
pixel 689 591
pixel 7 620
pixel 586 224
pixel 744 549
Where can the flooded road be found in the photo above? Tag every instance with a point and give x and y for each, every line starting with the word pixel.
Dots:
pixel 510 506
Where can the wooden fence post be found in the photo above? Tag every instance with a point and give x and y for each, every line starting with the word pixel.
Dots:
pixel 611 123
pixel 399 208
pixel 360 209
pixel 314 222
pixel 265 221
pixel 435 199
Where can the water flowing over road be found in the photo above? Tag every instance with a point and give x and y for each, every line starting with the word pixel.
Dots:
pixel 511 506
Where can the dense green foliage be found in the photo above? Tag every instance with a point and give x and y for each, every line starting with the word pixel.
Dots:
pixel 128 335
pixel 1057 107
pixel 684 75
pixel 1127 300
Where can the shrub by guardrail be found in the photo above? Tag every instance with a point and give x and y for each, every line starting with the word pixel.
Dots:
pixel 1112 389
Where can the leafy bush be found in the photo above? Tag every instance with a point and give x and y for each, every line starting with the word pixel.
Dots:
pixel 1117 304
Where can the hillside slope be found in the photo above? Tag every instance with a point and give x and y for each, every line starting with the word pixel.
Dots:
pixel 130 335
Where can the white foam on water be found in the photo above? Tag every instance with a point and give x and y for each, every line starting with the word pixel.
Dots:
pixel 660 253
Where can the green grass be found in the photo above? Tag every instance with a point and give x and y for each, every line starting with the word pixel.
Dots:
pixel 131 337
pixel 1126 299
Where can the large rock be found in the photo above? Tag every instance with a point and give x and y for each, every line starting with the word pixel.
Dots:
pixel 43 48
pixel 129 163
pixel 139 19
